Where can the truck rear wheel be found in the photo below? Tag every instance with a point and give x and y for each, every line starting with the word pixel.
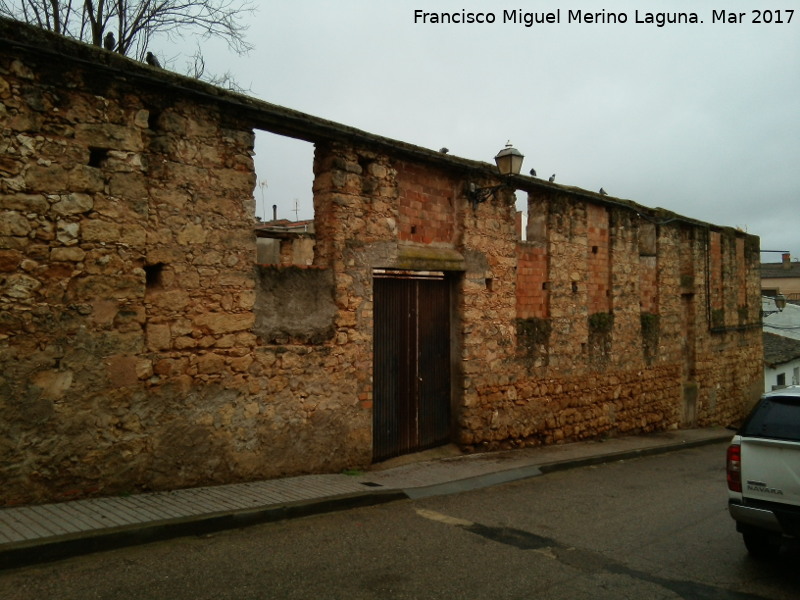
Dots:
pixel 761 544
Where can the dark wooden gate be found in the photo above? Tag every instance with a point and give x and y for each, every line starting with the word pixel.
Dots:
pixel 411 374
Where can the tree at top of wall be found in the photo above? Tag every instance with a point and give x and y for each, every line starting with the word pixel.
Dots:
pixel 132 24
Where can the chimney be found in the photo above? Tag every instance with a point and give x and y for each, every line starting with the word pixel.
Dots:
pixel 787 260
pixel 274 212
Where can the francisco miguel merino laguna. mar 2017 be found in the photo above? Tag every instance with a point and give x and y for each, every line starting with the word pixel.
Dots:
pixel 659 19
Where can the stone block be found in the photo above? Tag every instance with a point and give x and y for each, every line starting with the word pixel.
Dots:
pixel 83 178
pixel 128 185
pixel 158 337
pixel 96 230
pixel 133 235
pixel 110 287
pixel 169 300
pixel 122 370
pixel 25 203
pixel 53 383
pixel 67 233
pixel 171 367
pixel 142 119
pixel 109 136
pixel 192 234
pixel 210 363
pixel 14 224
pixel 73 204
pixel 219 323
pixel 10 260
pixel 67 254
pixel 19 286
pixel 50 179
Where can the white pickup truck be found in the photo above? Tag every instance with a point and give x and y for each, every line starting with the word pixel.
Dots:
pixel 764 473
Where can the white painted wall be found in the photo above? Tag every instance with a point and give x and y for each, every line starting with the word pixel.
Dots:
pixel 790 372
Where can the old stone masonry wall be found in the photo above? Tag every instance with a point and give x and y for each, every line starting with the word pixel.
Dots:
pixel 126 286
pixel 141 347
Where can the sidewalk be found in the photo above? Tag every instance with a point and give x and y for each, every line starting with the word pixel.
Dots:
pixel 32 534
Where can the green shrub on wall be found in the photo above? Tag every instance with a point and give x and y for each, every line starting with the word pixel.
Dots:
pixel 600 327
pixel 533 341
pixel 601 323
pixel 650 333
pixel 744 314
pixel 533 332
pixel 650 322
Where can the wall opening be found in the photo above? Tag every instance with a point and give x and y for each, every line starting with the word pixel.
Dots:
pixel 154 276
pixel 284 207
pixel 521 205
pixel 97 157
pixel 285 170
pixel 153 118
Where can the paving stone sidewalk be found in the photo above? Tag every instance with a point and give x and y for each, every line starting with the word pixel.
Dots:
pixel 30 534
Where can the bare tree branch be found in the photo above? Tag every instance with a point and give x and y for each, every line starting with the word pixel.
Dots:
pixel 137 21
pixel 47 14
pixel 197 67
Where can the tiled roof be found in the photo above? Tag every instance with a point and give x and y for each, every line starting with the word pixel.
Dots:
pixel 285 229
pixel 779 349
pixel 779 271
pixel 285 223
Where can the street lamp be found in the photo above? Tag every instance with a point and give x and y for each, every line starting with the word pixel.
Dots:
pixel 780 304
pixel 509 162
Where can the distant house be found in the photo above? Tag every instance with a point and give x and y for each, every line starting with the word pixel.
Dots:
pixel 284 242
pixel 781 361
pixel 781 344
pixel 781 278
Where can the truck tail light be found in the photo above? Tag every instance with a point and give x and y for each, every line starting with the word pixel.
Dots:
pixel 734 468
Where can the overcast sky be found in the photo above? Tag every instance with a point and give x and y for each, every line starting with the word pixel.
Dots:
pixel 701 119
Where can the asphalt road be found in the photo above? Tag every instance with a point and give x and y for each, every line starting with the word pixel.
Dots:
pixel 651 528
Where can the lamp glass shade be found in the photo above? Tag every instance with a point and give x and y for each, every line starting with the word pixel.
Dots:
pixel 780 301
pixel 509 160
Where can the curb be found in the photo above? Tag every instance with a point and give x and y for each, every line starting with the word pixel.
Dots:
pixel 530 471
pixel 25 554
pixel 636 453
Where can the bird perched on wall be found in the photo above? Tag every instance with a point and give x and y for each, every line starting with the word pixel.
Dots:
pixel 109 43
pixel 152 60
pixel 533 172
pixel 443 150
pixel 552 178
pixel 602 192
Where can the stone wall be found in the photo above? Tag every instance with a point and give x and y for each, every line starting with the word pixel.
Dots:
pixel 657 360
pixel 141 348
pixel 127 285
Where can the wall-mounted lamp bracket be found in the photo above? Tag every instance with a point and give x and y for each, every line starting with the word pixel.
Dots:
pixel 478 195
pixel 509 162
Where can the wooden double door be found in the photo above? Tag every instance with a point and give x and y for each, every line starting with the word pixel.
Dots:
pixel 412 358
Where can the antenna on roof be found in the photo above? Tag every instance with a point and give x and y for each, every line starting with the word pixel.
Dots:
pixel 263 185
